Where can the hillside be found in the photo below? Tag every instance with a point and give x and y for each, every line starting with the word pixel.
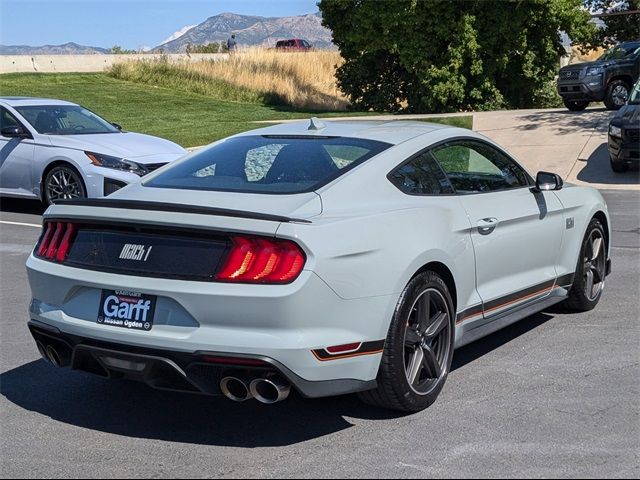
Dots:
pixel 252 31
pixel 66 49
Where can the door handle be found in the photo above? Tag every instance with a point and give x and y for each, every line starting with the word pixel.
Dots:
pixel 486 226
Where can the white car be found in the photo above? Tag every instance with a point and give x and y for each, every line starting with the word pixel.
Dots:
pixel 333 258
pixel 52 150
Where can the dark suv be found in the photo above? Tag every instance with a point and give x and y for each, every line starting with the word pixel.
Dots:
pixel 608 79
pixel 624 134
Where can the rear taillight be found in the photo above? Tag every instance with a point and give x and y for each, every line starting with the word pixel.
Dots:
pixel 262 260
pixel 56 240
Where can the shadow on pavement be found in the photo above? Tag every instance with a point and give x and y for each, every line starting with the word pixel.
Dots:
pixel 566 122
pixel 598 170
pixel 135 410
pixel 19 205
pixel 475 350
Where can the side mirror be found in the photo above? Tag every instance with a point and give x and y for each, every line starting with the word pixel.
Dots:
pixel 546 181
pixel 119 127
pixel 15 132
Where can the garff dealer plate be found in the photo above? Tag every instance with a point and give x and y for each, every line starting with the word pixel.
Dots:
pixel 132 310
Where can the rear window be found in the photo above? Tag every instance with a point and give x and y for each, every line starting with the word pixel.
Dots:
pixel 266 164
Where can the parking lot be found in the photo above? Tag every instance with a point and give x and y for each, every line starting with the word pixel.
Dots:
pixel 553 395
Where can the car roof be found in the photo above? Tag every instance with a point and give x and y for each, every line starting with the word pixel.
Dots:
pixel 392 132
pixel 32 101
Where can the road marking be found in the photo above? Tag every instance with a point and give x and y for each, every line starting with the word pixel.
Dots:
pixel 21 224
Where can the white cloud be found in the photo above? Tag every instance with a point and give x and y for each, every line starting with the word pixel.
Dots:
pixel 178 34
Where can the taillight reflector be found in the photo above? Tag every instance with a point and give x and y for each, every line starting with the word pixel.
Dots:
pixel 262 260
pixel 56 241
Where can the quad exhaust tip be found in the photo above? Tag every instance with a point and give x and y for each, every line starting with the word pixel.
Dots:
pixel 270 390
pixel 235 389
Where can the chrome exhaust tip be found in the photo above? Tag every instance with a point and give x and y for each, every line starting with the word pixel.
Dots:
pixel 42 350
pixel 53 356
pixel 235 389
pixel 270 390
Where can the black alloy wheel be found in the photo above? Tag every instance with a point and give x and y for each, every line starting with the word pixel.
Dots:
pixel 63 183
pixel 419 347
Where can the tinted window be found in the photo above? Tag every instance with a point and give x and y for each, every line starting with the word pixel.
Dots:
pixel 421 176
pixel 257 164
pixel 65 120
pixel 7 119
pixel 477 167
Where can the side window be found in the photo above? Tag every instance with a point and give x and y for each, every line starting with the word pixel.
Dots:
pixel 421 176
pixel 7 119
pixel 477 167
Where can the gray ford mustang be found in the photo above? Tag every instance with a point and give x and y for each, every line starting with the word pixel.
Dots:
pixel 328 258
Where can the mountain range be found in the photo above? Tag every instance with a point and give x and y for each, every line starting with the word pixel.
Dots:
pixel 249 31
pixel 252 31
pixel 66 49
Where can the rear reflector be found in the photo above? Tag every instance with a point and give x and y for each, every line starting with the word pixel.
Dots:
pixel 56 241
pixel 350 347
pixel 262 260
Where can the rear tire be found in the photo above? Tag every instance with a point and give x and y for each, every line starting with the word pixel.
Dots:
pixel 589 280
pixel 419 347
pixel 617 95
pixel 575 105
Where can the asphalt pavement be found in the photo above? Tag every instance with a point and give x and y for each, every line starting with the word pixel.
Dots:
pixel 556 395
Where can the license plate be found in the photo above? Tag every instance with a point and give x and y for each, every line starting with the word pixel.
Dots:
pixel 125 309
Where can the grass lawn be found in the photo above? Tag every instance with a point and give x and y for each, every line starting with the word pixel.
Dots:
pixel 186 118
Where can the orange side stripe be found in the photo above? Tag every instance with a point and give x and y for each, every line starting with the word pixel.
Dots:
pixel 341 357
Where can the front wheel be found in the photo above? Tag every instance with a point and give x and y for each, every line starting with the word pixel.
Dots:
pixel 617 95
pixel 591 271
pixel 419 347
pixel 575 106
pixel 63 183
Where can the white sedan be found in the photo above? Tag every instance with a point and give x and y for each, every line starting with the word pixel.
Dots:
pixel 52 150
pixel 328 258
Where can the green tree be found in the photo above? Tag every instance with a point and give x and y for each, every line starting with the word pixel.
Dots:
pixel 434 56
pixel 213 47
pixel 620 24
pixel 118 50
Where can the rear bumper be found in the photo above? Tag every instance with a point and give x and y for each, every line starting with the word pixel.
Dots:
pixel 283 325
pixel 177 371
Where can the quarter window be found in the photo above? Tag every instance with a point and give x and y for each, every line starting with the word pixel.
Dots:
pixel 7 119
pixel 421 176
pixel 477 167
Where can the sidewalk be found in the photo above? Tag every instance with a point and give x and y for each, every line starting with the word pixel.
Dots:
pixel 572 144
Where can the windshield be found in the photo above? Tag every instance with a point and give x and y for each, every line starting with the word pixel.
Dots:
pixel 619 52
pixel 267 164
pixel 65 120
pixel 634 99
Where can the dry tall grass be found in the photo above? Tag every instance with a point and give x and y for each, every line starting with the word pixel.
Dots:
pixel 303 80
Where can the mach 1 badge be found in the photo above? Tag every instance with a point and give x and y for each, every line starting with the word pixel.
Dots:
pixel 124 309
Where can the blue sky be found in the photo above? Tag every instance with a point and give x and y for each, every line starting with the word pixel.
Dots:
pixel 129 23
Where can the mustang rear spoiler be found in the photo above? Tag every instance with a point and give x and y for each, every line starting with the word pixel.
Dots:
pixel 174 207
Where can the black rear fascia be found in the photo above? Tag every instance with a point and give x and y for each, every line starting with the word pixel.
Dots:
pixel 200 256
pixel 174 207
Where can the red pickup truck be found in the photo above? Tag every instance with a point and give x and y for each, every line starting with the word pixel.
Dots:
pixel 296 44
